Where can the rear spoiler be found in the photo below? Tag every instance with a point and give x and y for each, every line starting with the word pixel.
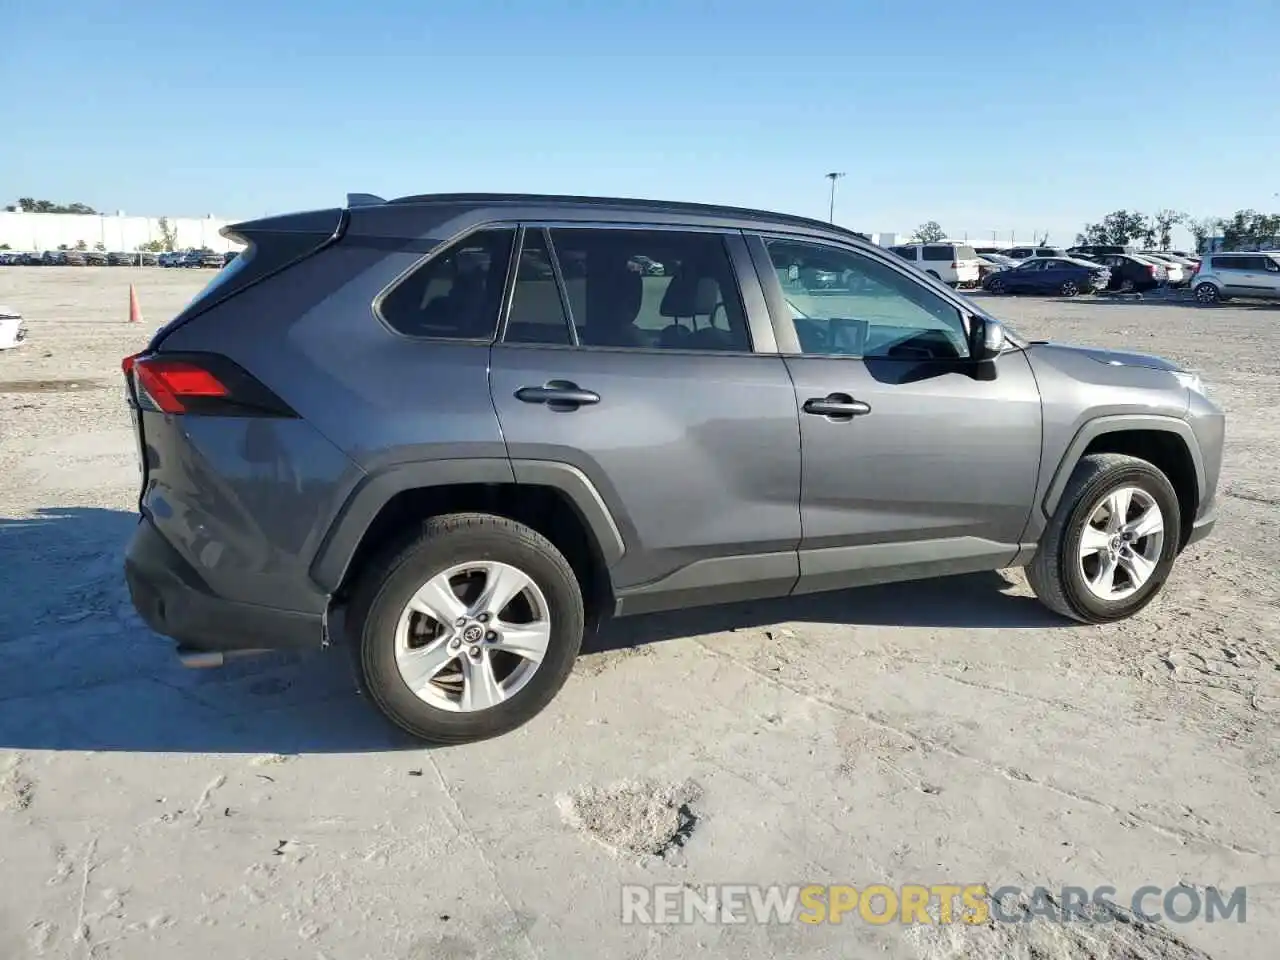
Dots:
pixel 272 244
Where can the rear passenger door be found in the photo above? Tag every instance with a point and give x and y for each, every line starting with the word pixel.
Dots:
pixel 629 355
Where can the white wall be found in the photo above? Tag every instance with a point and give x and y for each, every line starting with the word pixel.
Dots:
pixel 48 231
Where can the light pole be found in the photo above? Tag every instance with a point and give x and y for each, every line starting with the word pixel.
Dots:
pixel 833 177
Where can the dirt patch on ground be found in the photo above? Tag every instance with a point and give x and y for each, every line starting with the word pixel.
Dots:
pixel 16 788
pixel 1099 932
pixel 48 386
pixel 634 816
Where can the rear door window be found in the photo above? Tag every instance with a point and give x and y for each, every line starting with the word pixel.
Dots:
pixel 644 289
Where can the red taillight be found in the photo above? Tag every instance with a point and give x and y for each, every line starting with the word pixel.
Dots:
pixel 207 384
pixel 172 384
pixel 1151 270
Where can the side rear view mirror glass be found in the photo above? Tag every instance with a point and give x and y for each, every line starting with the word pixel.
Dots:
pixel 986 338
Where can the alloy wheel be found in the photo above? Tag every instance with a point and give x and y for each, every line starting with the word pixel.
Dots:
pixel 472 636
pixel 1207 293
pixel 1121 543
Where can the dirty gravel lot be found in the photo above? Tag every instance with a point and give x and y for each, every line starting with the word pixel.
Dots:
pixel 947 731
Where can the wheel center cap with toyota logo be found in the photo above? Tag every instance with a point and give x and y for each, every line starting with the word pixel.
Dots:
pixel 474 633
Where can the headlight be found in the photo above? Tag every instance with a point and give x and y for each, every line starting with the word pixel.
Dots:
pixel 1191 381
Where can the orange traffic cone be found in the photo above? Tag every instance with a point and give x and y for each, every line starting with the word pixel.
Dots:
pixel 135 311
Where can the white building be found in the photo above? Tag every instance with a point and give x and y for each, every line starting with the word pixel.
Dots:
pixel 50 231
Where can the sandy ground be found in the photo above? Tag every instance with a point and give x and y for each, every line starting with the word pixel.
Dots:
pixel 946 731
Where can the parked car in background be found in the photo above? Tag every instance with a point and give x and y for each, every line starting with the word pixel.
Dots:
pixel 989 263
pixel 1225 275
pixel 209 259
pixel 1179 270
pixel 95 258
pixel 229 256
pixel 1026 253
pixel 955 264
pixel 121 258
pixel 1063 276
pixel 1131 273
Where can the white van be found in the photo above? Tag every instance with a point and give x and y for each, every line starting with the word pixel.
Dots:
pixel 955 264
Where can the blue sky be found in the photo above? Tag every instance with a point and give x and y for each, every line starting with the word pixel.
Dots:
pixel 984 116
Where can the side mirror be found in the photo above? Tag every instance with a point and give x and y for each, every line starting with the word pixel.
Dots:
pixel 986 338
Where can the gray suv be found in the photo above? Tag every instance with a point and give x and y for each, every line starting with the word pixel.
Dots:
pixel 456 432
pixel 1222 276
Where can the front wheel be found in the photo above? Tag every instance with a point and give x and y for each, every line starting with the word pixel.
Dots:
pixel 1069 288
pixel 1111 543
pixel 998 286
pixel 469 631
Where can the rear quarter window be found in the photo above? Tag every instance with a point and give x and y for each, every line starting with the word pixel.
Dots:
pixel 937 252
pixel 455 295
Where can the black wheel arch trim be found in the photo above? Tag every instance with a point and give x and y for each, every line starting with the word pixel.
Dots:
pixel 1120 423
pixel 329 566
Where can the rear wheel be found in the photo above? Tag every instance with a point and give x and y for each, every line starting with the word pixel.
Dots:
pixel 1126 286
pixel 1069 288
pixel 1207 293
pixel 469 631
pixel 1111 543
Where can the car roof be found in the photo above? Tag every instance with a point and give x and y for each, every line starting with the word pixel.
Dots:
pixel 620 204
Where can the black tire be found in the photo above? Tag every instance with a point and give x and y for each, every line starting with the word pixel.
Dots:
pixel 1207 293
pixel 1069 288
pixel 1054 573
pixel 997 286
pixel 386 587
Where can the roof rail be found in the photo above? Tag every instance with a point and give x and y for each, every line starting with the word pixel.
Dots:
pixel 632 203
pixel 363 200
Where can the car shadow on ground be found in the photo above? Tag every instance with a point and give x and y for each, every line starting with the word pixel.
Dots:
pixel 80 671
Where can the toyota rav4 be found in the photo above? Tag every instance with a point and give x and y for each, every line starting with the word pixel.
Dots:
pixel 457 432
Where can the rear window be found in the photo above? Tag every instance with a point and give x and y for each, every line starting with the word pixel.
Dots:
pixel 939 252
pixel 965 253
pixel 456 295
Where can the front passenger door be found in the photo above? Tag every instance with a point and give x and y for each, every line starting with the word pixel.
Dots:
pixel 914 462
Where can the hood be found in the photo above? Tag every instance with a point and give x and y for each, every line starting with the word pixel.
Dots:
pixel 1115 358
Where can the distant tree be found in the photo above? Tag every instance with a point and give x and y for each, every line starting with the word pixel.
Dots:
pixel 1249 230
pixel 1164 221
pixel 929 232
pixel 5 246
pixel 63 246
pixel 1202 229
pixel 100 246
pixel 32 205
pixel 81 245
pixel 168 234
pixel 1119 227
pixel 152 246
